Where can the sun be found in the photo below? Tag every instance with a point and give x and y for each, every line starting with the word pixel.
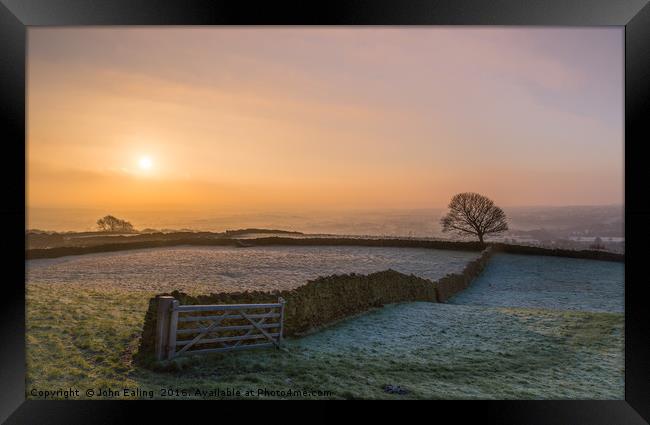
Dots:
pixel 145 163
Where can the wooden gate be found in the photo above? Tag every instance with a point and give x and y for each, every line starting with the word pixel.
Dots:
pixel 182 329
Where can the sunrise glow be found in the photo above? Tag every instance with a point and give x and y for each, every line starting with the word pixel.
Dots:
pixel 313 118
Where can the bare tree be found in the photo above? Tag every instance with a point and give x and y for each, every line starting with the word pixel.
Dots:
pixel 475 214
pixel 110 223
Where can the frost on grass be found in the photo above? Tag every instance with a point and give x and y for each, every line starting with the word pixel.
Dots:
pixel 547 282
pixel 430 350
pixel 489 344
pixel 451 351
pixel 222 269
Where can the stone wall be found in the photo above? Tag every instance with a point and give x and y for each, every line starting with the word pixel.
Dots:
pixel 320 302
pixel 327 300
pixel 590 254
pixel 454 283
pixel 207 239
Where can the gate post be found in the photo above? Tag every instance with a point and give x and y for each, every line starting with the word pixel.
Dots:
pixel 282 302
pixel 162 325
pixel 173 324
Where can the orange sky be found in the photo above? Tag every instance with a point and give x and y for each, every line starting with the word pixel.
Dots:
pixel 293 118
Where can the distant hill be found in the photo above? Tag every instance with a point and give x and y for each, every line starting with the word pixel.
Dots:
pixel 39 239
pixel 554 222
pixel 240 232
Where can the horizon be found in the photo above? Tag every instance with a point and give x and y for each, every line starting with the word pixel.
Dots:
pixel 260 120
pixel 53 219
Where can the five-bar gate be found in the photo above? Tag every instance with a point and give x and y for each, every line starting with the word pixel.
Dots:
pixel 199 329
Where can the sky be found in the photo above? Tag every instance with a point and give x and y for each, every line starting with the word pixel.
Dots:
pixel 294 118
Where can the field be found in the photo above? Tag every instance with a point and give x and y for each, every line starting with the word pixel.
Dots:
pixel 548 282
pixel 217 268
pixel 84 335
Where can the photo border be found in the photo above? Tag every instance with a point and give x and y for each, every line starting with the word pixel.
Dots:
pixel 634 15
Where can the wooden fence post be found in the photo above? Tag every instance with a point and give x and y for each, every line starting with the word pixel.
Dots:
pixel 282 302
pixel 162 325
pixel 173 324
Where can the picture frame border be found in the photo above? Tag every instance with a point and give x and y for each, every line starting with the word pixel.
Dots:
pixel 16 16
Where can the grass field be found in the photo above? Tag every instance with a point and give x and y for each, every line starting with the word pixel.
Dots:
pixel 204 270
pixel 84 338
pixel 548 282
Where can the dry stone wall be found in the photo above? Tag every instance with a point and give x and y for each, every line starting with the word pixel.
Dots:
pixel 327 300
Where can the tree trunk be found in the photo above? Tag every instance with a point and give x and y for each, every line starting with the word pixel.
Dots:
pixel 480 237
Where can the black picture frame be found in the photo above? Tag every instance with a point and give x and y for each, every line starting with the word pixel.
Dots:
pixel 634 15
